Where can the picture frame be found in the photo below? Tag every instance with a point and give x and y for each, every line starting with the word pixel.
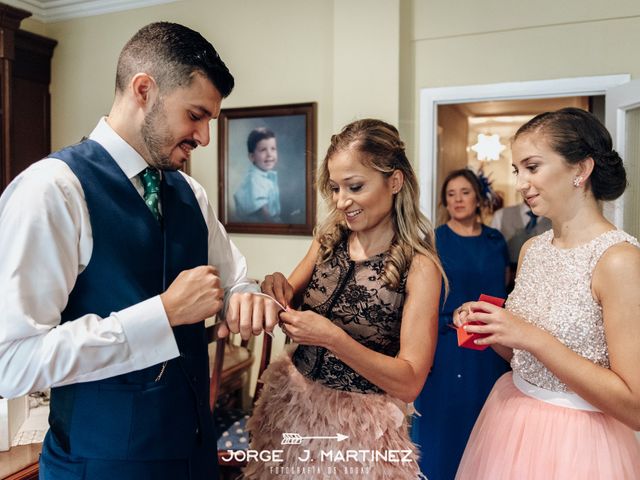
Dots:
pixel 258 193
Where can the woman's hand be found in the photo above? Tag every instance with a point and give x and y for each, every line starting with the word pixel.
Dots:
pixel 461 313
pixel 278 287
pixel 308 328
pixel 501 326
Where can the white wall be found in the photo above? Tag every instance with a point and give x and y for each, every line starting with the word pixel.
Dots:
pixel 356 58
pixel 467 42
pixel 341 54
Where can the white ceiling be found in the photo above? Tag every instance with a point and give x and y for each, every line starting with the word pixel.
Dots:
pixel 56 10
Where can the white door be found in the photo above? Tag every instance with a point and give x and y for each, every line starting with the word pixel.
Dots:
pixel 430 98
pixel 622 105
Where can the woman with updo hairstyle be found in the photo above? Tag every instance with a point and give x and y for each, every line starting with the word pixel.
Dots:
pixel 475 258
pixel 572 323
pixel 365 326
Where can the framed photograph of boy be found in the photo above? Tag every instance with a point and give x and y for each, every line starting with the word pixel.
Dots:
pixel 266 168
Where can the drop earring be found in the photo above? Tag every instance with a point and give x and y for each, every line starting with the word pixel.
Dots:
pixel 577 181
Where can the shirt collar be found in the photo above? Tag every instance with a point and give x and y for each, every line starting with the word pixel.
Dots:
pixel 130 161
pixel 271 174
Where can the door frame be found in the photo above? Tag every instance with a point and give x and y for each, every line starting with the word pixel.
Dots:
pixel 430 98
pixel 618 101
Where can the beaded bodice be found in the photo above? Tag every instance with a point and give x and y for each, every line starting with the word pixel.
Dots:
pixel 553 291
pixel 351 294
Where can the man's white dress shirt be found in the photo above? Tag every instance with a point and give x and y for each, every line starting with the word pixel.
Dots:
pixel 45 243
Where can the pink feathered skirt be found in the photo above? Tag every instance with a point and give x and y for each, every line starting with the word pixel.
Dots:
pixel 520 437
pixel 298 422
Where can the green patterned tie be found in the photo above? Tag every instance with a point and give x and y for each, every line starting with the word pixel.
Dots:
pixel 151 184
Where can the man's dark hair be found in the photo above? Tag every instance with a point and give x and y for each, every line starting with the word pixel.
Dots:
pixel 171 54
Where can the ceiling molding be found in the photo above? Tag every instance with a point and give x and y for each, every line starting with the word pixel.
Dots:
pixel 49 11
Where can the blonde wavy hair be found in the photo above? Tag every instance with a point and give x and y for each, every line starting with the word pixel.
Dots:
pixel 384 151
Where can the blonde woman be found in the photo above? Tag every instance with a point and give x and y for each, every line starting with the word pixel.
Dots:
pixel 368 291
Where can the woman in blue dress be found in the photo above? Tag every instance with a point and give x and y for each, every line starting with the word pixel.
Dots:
pixel 476 260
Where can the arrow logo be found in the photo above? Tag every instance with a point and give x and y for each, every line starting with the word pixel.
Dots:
pixel 296 439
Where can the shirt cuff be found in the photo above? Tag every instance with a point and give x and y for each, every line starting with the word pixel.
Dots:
pixel 246 286
pixel 148 332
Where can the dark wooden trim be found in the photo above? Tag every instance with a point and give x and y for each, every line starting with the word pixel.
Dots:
pixel 5 121
pixel 11 17
pixel 29 473
pixel 214 384
pixel 309 110
pixel 36 51
pixel 25 75
pixel 20 462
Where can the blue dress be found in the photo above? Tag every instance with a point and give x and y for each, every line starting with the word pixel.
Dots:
pixel 460 379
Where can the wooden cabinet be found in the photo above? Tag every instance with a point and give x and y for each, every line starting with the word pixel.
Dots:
pixel 25 136
pixel 20 463
pixel 25 75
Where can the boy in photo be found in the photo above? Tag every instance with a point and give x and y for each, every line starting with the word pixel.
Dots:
pixel 258 197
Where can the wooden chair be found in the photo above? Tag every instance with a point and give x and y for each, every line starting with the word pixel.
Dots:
pixel 226 371
pixel 228 382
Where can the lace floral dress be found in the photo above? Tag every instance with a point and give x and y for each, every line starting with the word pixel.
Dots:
pixel 311 400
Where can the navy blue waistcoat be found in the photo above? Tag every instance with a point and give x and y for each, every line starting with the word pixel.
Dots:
pixel 131 416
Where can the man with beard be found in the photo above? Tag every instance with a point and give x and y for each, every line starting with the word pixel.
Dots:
pixel 112 259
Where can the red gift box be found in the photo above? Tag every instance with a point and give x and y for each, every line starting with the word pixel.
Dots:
pixel 466 339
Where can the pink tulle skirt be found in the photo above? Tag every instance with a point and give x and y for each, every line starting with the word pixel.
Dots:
pixel 377 447
pixel 520 437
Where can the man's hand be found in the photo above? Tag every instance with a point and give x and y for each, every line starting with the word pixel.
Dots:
pixel 249 314
pixel 193 296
